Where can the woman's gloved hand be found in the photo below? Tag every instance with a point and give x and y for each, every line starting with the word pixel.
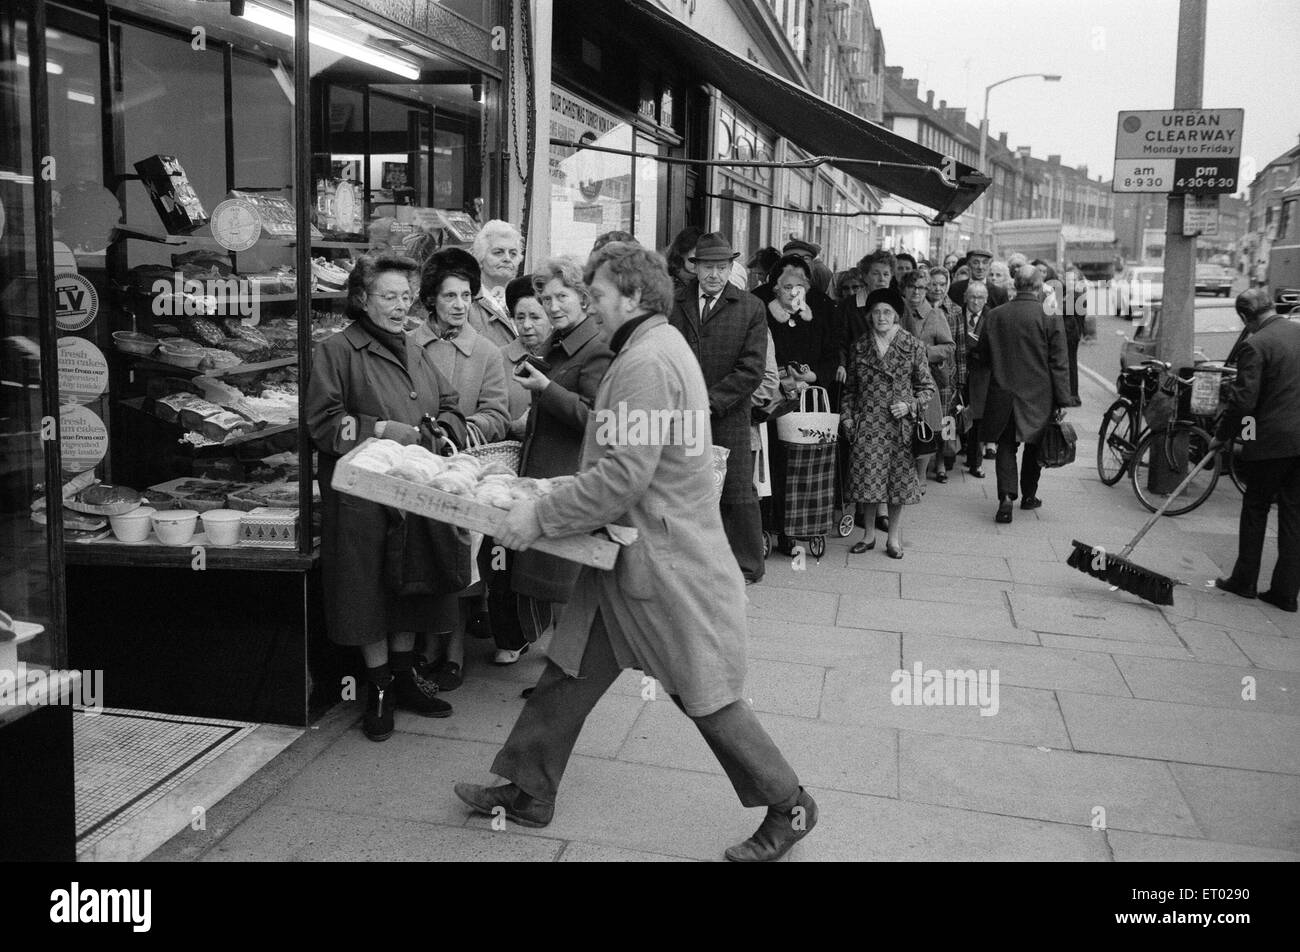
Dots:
pixel 402 433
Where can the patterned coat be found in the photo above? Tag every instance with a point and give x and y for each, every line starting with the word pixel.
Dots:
pixel 931 329
pixel 881 465
pixel 731 347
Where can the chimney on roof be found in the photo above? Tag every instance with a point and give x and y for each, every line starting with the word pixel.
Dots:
pixel 1002 139
pixel 912 88
pixel 943 106
pixel 1023 151
pixel 1083 170
pixel 894 74
pixel 1053 160
pixel 929 98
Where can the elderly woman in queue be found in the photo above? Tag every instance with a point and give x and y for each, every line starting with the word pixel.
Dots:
pixel 498 249
pixel 577 355
pixel 929 325
pixel 448 286
pixel 374 381
pixel 888 387
pixel 807 353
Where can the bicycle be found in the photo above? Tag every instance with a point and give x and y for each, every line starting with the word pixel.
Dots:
pixel 1124 424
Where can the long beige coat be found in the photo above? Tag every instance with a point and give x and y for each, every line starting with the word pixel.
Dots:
pixel 674 604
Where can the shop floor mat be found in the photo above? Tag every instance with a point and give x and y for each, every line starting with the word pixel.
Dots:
pixel 127 760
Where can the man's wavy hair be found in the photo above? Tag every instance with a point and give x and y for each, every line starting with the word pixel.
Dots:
pixel 634 268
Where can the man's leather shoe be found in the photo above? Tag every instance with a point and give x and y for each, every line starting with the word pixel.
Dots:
pixel 1276 601
pixel 779 831
pixel 1228 585
pixel 1031 502
pixel 1004 511
pixel 976 472
pixel 518 806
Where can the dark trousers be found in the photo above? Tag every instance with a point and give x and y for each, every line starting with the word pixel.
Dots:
pixel 743 524
pixel 1266 479
pixel 538 748
pixel 1030 469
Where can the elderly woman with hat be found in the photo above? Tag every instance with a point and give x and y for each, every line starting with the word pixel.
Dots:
pixel 888 387
pixel 449 283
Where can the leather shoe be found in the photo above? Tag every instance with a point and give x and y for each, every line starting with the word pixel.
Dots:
pixel 518 806
pixel 976 472
pixel 779 831
pixel 1004 511
pixel 892 552
pixel 940 476
pixel 1277 602
pixel 863 546
pixel 1228 585
pixel 1031 502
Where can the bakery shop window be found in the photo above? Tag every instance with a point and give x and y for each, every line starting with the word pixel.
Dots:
pixel 400 136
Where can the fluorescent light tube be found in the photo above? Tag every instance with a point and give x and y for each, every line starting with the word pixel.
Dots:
pixel 284 25
pixel 50 66
pixel 81 97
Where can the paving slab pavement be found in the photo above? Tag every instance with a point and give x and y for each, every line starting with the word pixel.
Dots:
pixel 1102 701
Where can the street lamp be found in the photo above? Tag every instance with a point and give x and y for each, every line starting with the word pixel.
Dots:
pixel 984 132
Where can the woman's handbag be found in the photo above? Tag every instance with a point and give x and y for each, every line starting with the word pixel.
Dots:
pixel 808 424
pixel 924 440
pixel 1056 445
pixel 424 557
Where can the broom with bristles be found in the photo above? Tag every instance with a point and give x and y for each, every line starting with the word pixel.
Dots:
pixel 1118 571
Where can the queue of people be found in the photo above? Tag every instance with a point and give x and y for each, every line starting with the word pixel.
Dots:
pixel 915 360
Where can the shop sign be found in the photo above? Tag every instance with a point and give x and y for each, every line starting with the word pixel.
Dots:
pixel 83 371
pixel 83 439
pixel 76 301
pixel 578 121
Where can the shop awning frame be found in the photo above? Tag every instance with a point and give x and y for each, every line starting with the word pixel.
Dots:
pixel 877 156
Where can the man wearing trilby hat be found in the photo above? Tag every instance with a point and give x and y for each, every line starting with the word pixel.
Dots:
pixel 727 330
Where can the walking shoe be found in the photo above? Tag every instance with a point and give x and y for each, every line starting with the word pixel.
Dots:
pixel 1031 502
pixel 976 472
pixel 377 722
pixel 941 476
pixel 1277 602
pixel 518 806
pixel 505 656
pixel 413 692
pixel 446 676
pixel 1004 511
pixel 779 831
pixel 1236 588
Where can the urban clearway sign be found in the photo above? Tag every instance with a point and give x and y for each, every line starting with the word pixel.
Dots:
pixel 1191 151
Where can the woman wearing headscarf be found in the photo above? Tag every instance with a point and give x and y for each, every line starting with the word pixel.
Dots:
pixel 371 380
pixel 888 386
pixel 807 353
pixel 578 355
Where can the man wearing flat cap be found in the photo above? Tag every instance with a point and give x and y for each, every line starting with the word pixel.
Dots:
pixel 978 262
pixel 727 330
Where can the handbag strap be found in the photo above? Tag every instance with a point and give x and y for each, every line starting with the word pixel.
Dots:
pixel 819 393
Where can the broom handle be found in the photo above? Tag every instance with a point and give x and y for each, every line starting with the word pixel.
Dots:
pixel 1209 455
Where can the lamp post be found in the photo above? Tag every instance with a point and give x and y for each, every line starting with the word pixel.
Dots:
pixel 984 135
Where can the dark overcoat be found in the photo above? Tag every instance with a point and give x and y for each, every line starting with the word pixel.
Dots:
pixel 356 382
pixel 552 446
pixel 731 347
pixel 1023 348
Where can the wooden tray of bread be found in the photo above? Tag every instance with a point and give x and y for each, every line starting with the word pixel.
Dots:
pixel 458 490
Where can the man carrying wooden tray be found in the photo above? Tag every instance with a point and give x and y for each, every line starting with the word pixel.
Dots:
pixel 674 604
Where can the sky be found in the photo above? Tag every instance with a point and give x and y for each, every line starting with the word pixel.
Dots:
pixel 1111 54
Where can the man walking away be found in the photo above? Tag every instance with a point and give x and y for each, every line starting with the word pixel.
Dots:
pixel 1023 348
pixel 1264 409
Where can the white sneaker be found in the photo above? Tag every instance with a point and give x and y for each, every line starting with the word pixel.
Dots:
pixel 505 656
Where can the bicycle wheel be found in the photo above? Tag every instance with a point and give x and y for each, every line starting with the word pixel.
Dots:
pixel 1179 449
pixel 1115 442
pixel 1232 457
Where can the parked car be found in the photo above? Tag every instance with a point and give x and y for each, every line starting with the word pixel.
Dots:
pixel 1213 279
pixel 1214 332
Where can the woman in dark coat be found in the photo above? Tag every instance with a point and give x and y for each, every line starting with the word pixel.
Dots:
pixel 371 380
pixel 578 354
pixel 807 351
pixel 888 387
